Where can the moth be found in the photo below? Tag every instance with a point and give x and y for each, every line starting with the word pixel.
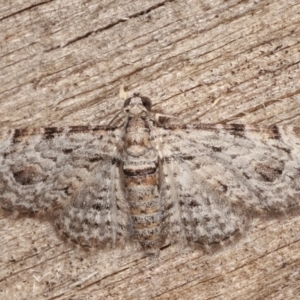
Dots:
pixel 150 178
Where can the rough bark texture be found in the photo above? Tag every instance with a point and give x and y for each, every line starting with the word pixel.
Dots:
pixel 62 63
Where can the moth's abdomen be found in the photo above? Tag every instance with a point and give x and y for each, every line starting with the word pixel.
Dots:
pixel 141 182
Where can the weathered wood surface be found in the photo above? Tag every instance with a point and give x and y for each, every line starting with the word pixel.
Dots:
pixel 62 63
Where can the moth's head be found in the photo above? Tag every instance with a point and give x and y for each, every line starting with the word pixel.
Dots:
pixel 137 105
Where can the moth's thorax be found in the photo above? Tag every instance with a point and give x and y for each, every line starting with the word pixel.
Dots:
pixel 137 136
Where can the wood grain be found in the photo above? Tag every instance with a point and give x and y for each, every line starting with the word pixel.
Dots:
pixel 62 63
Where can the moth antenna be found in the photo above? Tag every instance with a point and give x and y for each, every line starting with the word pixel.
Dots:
pixel 116 117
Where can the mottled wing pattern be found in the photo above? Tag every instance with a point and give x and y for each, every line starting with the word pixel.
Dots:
pixel 98 215
pixel 215 177
pixel 72 174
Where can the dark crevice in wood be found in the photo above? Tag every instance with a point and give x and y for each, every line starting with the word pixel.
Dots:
pixel 125 19
pixel 25 9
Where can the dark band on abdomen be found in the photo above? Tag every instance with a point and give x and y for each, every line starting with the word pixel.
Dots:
pixel 139 172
